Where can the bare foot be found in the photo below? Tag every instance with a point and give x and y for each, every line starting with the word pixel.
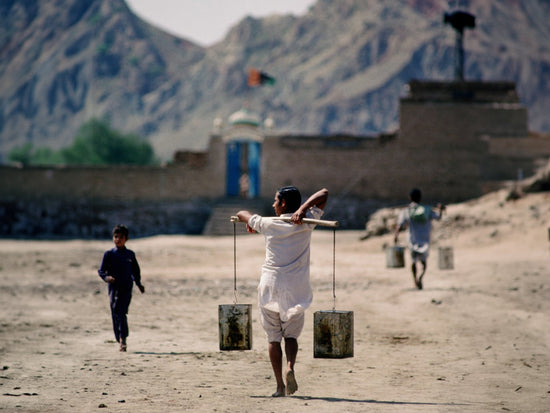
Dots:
pixel 291 385
pixel 279 393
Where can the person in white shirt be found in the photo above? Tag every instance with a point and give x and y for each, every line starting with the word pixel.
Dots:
pixel 284 292
pixel 418 218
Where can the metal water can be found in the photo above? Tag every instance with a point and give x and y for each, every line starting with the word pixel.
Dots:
pixel 395 256
pixel 235 325
pixel 445 258
pixel 333 334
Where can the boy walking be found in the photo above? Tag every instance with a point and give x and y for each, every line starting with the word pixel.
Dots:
pixel 284 292
pixel 120 269
pixel 419 220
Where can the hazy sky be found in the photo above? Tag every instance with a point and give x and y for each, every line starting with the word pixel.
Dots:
pixel 207 21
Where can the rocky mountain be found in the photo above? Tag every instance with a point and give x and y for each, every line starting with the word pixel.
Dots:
pixel 341 67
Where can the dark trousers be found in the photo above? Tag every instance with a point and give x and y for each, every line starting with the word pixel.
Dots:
pixel 120 302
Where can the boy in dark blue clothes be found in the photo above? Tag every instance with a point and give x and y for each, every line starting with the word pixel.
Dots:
pixel 120 269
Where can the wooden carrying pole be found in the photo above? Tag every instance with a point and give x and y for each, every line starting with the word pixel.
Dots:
pixel 322 222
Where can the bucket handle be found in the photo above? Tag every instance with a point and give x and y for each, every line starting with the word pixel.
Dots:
pixel 234 263
pixel 334 268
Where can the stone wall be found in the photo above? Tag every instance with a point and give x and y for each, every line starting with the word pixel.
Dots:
pixel 456 141
pixel 348 166
pixel 178 181
pixel 86 202
pixel 89 218
pixel 447 133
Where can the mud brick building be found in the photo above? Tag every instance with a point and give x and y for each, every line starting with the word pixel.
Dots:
pixel 456 140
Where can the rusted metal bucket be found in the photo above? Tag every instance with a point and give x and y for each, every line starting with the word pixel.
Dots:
pixel 333 334
pixel 445 258
pixel 235 325
pixel 395 256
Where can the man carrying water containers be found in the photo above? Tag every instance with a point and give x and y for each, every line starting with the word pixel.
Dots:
pixel 419 220
pixel 284 291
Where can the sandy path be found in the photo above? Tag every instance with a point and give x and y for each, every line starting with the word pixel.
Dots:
pixel 476 339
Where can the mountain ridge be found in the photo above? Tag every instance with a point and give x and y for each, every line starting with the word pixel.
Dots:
pixel 340 68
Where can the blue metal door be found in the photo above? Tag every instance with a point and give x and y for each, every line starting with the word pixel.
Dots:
pixel 254 155
pixel 233 171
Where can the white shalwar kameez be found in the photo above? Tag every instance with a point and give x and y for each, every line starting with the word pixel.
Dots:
pixel 284 285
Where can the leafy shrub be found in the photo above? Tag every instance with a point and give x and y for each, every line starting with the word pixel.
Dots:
pixel 96 143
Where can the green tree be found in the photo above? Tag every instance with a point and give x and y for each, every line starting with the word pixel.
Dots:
pixel 22 154
pixel 46 156
pixel 96 143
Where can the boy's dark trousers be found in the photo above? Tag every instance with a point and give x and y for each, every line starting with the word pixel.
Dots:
pixel 120 302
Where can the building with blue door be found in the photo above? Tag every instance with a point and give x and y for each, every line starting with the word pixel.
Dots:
pixel 243 140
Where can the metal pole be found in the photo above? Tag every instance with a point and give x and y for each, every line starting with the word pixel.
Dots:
pixel 459 66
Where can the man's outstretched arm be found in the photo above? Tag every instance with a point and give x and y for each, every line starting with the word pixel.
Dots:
pixel 318 199
pixel 244 216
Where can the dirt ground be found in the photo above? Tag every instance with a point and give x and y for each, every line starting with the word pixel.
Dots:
pixel 475 339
